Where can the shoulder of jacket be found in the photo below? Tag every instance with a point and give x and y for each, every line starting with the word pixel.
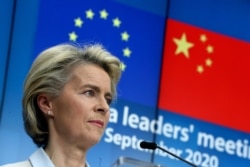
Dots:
pixel 19 164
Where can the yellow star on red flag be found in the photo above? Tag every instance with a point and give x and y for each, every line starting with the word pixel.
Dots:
pixel 183 45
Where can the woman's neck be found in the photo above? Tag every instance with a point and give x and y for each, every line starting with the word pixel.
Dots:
pixel 65 156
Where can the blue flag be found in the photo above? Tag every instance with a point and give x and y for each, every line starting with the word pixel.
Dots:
pixel 133 34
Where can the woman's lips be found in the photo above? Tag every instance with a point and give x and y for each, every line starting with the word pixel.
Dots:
pixel 98 123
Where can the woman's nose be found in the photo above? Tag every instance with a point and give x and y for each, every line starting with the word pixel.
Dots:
pixel 102 106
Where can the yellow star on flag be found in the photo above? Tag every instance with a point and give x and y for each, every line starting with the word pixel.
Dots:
pixel 125 36
pixel 78 22
pixel 210 49
pixel 90 14
pixel 103 14
pixel 127 52
pixel 122 66
pixel 183 45
pixel 116 22
pixel 203 38
pixel 200 69
pixel 73 36
pixel 208 62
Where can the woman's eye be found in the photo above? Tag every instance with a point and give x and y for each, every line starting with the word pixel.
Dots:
pixel 109 101
pixel 89 93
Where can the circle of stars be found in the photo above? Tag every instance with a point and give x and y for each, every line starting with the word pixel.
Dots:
pixel 116 23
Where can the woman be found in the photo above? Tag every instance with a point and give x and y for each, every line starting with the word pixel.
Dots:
pixel 66 101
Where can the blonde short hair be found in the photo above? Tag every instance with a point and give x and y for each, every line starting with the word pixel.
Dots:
pixel 51 71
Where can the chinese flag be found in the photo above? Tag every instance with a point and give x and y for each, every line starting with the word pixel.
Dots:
pixel 206 75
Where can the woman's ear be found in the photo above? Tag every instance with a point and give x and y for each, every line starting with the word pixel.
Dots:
pixel 44 103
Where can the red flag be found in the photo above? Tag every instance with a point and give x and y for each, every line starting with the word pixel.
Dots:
pixel 206 75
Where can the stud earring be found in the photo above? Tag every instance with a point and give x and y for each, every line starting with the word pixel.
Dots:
pixel 49 112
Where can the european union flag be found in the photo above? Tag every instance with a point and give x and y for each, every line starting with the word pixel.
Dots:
pixel 133 34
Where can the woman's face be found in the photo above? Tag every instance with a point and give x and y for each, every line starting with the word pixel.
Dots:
pixel 81 112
